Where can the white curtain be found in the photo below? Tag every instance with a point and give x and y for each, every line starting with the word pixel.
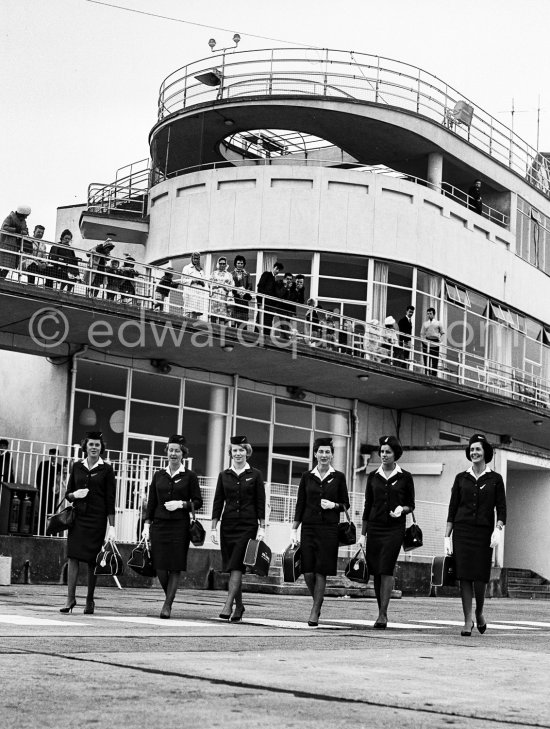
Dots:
pixel 380 299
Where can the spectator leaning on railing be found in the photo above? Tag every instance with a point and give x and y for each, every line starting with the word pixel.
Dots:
pixel 38 264
pixel 16 222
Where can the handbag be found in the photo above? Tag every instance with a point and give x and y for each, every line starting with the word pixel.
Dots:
pixel 292 563
pixel 347 533
pixel 257 557
pixel 357 569
pixel 413 536
pixel 196 530
pixel 58 522
pixel 141 561
pixel 444 571
pixel 109 561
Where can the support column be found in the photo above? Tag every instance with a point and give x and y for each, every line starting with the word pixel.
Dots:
pixel 435 169
pixel 216 431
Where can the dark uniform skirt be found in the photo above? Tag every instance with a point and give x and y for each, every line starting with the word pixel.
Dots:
pixel 319 543
pixel 169 544
pixel 234 538
pixel 472 551
pixel 383 545
pixel 87 534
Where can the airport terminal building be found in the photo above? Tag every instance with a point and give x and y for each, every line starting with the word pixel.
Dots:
pixel 354 171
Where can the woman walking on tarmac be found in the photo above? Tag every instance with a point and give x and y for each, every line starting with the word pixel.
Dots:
pixel 173 493
pixel 476 495
pixel 389 496
pixel 322 496
pixel 91 489
pixel 239 501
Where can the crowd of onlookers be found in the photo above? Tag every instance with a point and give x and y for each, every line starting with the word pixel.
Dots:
pixel 279 307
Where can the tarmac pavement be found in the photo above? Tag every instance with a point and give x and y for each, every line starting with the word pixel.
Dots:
pixel 124 667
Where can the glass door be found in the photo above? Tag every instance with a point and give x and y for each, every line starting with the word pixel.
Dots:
pixel 285 478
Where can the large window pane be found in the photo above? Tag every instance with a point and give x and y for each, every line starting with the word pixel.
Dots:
pixel 331 421
pixel 156 388
pixel 208 452
pixel 339 266
pixel 151 419
pixel 258 437
pixel 253 405
pixel 104 408
pixel 101 378
pixel 291 441
pixel 342 289
pixel 400 275
pixel 291 413
pixel 204 396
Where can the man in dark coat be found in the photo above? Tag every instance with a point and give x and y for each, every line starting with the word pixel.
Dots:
pixel 267 285
pixel 474 197
pixel 405 326
pixel 46 483
pixel 16 222
pixel 6 470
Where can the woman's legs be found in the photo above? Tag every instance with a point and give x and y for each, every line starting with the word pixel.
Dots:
pixel 171 589
pixel 467 593
pixel 72 576
pixel 386 586
pixel 234 592
pixel 92 580
pixel 377 581
pixel 163 579
pixel 318 596
pixel 479 592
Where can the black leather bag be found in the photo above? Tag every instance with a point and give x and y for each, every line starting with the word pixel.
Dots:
pixel 141 561
pixel 197 532
pixel 413 536
pixel 257 557
pixel 292 563
pixel 109 561
pixel 61 520
pixel 444 571
pixel 347 533
pixel 357 570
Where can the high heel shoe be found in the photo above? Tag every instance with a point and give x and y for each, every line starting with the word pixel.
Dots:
pixel 90 607
pixel 166 611
pixel 482 628
pixel 68 608
pixel 380 626
pixel 313 623
pixel 224 616
pixel 237 615
pixel 467 633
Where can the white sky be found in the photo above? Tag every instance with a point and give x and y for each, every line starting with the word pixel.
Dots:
pixel 80 81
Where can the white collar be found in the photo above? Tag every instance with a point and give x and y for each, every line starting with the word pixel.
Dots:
pixel 396 469
pixel 181 469
pixel 87 465
pixel 471 472
pixel 241 470
pixel 315 472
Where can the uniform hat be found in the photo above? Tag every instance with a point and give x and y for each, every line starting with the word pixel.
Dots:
pixel 179 439
pixel 129 262
pixel 93 435
pixel 318 442
pixel 238 440
pixel 389 321
pixel 23 209
pixel 487 447
pixel 108 243
pixel 393 443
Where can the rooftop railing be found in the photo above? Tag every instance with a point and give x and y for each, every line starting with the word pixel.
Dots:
pixel 283 323
pixel 357 77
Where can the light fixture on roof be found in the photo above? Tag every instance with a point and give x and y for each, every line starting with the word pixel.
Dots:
pixel 538 422
pixel 228 347
pixel 363 378
pixel 210 78
pixel 212 43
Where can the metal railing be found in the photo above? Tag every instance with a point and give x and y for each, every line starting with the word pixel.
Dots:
pixel 347 75
pixel 284 323
pixel 128 194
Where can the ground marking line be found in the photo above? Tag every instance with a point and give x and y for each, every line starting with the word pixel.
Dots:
pixel 300 694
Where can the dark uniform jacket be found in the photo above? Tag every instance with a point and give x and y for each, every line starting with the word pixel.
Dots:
pixel 310 492
pixel 183 486
pixel 101 484
pixel 240 498
pixel 383 496
pixel 474 502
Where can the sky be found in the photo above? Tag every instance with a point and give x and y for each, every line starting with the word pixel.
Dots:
pixel 80 79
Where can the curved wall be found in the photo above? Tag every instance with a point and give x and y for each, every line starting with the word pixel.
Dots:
pixel 328 209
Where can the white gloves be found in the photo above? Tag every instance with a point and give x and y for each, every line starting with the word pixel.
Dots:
pixel 173 505
pixel 362 541
pixel 80 493
pixel 326 504
pixel 111 534
pixel 145 532
pixel 294 537
pixel 396 512
pixel 261 533
pixel 448 547
pixel 496 537
pixel 214 536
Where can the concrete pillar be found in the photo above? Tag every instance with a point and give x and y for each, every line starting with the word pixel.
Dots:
pixel 435 169
pixel 216 431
